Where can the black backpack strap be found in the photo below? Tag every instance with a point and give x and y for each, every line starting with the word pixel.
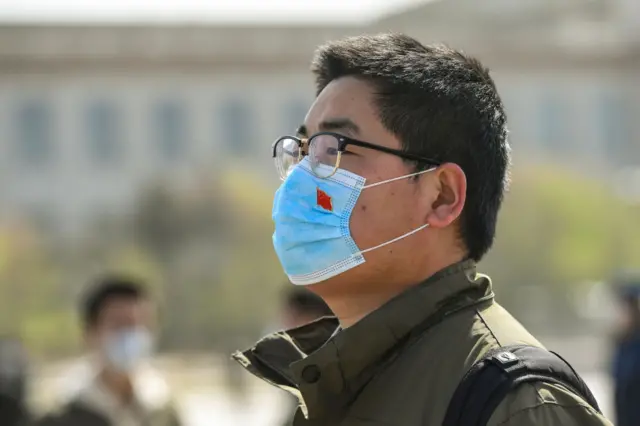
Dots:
pixel 500 371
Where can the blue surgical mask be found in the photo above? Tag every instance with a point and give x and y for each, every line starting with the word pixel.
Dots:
pixel 312 237
pixel 126 349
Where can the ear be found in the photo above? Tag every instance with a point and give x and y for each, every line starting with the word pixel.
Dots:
pixel 451 194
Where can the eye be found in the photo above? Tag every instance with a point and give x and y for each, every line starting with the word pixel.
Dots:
pixel 332 151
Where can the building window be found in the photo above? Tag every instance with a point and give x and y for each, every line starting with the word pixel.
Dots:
pixel 34 139
pixel 554 132
pixel 170 131
pixel 614 127
pixel 293 113
pixel 103 133
pixel 237 126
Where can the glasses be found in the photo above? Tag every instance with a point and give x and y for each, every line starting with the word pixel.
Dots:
pixel 325 151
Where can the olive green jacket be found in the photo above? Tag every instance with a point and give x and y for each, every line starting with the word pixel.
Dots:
pixel 400 365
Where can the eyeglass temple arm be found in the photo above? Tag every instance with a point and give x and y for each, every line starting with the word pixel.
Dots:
pixel 304 147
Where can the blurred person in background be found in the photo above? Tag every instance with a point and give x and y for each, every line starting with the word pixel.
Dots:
pixel 13 383
pixel 300 307
pixel 119 387
pixel 626 357
pixel 390 196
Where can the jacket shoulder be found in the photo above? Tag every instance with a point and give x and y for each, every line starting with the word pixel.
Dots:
pixel 72 414
pixel 540 403
pixel 505 329
pixel 545 404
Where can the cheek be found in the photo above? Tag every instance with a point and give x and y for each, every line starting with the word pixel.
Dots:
pixel 377 216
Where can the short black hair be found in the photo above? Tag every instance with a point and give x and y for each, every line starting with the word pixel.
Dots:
pixel 304 301
pixel 106 289
pixel 441 104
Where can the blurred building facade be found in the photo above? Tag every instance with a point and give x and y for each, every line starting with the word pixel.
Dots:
pixel 91 114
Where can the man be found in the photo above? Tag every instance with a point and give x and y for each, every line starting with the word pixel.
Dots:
pixel 390 196
pixel 626 359
pixel 117 387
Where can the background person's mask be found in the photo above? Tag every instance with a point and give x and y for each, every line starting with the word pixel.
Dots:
pixel 312 237
pixel 125 350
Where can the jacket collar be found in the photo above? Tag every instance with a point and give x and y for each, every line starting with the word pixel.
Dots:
pixel 326 370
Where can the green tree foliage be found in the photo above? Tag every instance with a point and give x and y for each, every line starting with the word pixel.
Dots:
pixel 558 231
pixel 31 305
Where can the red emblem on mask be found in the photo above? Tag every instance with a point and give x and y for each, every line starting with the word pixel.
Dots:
pixel 324 200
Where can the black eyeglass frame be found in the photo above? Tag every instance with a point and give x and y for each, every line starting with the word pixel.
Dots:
pixel 344 141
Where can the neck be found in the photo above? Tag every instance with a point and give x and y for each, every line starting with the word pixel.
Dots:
pixel 119 384
pixel 352 306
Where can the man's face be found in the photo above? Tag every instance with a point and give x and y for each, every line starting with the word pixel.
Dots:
pixel 383 212
pixel 119 317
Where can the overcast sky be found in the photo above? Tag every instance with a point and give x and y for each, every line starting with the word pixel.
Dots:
pixel 264 11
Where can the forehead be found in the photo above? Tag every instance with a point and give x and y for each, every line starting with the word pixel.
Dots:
pixel 125 310
pixel 345 97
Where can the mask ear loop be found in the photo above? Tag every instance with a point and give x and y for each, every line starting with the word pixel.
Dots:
pixel 418 229
pixel 398 178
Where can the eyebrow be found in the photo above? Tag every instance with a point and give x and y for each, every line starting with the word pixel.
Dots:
pixel 334 124
pixel 340 124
